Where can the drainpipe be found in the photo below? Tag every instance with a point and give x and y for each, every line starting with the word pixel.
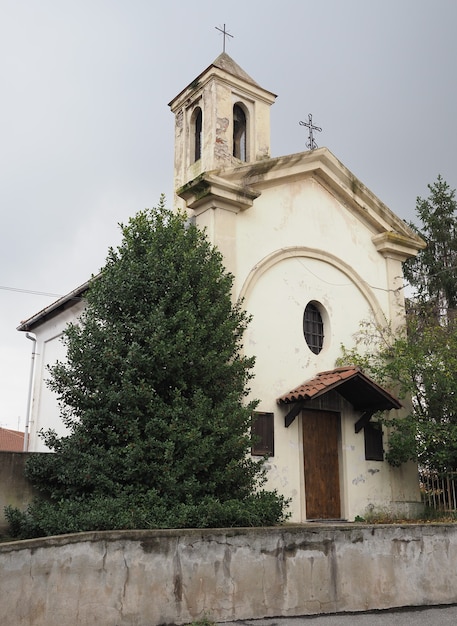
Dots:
pixel 29 399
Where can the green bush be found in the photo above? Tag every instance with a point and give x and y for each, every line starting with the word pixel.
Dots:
pixel 122 512
pixel 154 395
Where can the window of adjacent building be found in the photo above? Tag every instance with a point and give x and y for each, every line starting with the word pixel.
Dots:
pixel 239 133
pixel 374 450
pixel 313 327
pixel 197 119
pixel 262 433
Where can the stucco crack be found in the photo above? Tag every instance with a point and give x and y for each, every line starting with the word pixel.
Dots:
pixel 105 550
pixel 177 577
pixel 31 567
pixel 334 571
pixel 124 587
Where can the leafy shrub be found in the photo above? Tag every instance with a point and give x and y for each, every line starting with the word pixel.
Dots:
pixel 154 394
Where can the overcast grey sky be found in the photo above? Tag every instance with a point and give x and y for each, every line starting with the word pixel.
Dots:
pixel 86 137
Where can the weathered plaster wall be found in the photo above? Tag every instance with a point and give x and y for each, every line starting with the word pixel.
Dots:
pixel 147 578
pixel 216 92
pixel 312 247
pixel 15 489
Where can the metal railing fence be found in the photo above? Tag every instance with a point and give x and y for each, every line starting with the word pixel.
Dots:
pixel 438 490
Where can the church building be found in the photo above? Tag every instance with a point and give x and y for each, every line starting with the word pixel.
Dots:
pixel 314 253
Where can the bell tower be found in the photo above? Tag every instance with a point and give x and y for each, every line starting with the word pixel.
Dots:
pixel 222 119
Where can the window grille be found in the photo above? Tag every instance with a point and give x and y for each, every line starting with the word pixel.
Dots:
pixel 313 328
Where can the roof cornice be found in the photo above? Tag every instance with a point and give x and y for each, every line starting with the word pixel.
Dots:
pixel 55 308
pixel 322 165
pixel 208 190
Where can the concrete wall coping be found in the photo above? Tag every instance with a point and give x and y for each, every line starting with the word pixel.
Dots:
pixel 203 534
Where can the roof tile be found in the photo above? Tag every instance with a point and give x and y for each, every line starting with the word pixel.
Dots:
pixel 324 381
pixel 11 440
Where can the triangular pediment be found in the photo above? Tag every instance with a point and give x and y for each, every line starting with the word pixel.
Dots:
pixel 390 233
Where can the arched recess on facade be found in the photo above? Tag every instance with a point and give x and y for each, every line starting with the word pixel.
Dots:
pixel 240 132
pixel 311 253
pixel 196 130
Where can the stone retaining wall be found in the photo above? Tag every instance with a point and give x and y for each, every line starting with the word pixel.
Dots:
pixel 148 578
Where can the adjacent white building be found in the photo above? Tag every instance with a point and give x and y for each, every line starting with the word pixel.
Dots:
pixel 314 253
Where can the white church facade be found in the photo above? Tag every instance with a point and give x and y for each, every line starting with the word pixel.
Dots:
pixel 314 253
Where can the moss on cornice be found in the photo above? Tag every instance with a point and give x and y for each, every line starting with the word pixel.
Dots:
pixel 198 186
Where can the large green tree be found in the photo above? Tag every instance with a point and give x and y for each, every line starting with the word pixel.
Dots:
pixel 153 392
pixel 433 272
pixel 420 365
pixel 421 361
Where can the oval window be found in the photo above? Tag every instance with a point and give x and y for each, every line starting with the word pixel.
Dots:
pixel 313 328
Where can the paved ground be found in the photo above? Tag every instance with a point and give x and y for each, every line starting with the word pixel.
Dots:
pixel 436 616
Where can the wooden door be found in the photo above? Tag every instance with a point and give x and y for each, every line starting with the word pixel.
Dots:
pixel 321 431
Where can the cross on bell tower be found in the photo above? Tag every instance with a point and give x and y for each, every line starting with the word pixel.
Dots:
pixel 311 144
pixel 225 33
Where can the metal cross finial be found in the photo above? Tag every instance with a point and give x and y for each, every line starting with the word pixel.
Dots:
pixel 309 124
pixel 225 33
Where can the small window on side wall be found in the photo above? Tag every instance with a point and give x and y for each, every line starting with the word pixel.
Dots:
pixel 262 432
pixel 374 449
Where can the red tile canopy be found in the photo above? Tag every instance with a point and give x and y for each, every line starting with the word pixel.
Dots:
pixel 351 383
